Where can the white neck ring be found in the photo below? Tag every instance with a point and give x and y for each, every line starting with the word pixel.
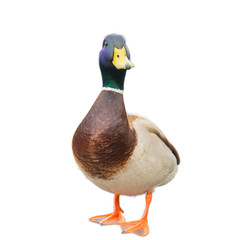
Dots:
pixel 113 90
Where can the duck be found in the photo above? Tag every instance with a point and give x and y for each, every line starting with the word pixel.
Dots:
pixel 121 153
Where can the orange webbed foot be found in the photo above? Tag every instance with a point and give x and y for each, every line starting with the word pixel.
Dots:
pixel 139 227
pixel 113 218
pixel 109 219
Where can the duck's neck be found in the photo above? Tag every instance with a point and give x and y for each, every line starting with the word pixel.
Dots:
pixel 113 78
pixel 107 115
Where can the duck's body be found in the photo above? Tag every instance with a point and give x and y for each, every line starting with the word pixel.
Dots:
pixel 120 153
pixel 152 164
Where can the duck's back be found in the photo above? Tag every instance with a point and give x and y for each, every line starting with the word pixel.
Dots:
pixel 104 141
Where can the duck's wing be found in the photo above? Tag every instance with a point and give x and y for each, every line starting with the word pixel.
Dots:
pixel 152 128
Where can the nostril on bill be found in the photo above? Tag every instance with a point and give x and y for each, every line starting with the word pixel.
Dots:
pixel 127 66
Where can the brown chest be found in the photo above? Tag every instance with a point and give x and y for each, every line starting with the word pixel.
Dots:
pixel 104 141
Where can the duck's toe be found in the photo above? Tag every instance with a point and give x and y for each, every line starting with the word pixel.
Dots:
pixel 109 219
pixel 139 227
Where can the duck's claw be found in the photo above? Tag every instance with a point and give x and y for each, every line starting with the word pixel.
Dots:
pixel 109 219
pixel 139 227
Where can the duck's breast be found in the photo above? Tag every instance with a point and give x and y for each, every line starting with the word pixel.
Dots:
pixel 104 141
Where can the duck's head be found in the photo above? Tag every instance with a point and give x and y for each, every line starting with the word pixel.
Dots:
pixel 114 60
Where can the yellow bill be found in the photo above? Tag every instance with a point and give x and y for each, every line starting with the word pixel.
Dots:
pixel 120 59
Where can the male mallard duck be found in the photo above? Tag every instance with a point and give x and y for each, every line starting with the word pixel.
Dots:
pixel 120 153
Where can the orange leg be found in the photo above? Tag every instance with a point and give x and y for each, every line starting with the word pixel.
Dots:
pixel 113 218
pixel 139 227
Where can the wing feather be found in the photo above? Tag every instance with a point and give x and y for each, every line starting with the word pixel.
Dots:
pixel 152 128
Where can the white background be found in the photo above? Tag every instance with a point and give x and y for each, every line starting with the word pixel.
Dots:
pixel 187 57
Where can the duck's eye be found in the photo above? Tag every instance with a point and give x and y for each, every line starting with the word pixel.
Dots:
pixel 105 44
pixel 117 55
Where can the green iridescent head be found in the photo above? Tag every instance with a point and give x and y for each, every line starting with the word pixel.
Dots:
pixel 114 60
